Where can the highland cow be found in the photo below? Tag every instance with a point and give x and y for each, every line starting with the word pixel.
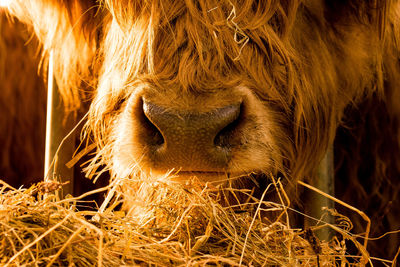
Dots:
pixel 239 90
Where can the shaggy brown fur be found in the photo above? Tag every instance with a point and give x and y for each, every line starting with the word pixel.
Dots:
pixel 22 106
pixel 302 69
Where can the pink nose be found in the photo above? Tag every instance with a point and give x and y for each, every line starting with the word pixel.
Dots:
pixel 190 141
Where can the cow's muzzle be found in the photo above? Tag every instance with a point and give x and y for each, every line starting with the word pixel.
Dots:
pixel 188 140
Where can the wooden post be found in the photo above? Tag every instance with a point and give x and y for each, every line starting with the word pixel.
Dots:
pixel 58 151
pixel 314 201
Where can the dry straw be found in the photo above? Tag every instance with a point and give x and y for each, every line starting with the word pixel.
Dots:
pixel 176 225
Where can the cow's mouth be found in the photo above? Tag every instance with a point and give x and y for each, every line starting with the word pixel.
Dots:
pixel 231 184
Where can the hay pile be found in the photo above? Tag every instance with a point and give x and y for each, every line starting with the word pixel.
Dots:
pixel 182 225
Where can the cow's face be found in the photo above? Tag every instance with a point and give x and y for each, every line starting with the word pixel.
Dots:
pixel 214 89
pixel 177 95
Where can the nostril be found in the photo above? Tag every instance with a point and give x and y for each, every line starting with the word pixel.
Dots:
pixel 226 135
pixel 153 134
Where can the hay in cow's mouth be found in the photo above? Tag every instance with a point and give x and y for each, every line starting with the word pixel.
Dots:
pixel 213 178
pixel 182 225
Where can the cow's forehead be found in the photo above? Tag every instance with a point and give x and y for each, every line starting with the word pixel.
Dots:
pixel 197 51
pixel 210 13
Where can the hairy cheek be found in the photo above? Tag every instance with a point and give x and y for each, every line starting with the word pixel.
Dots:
pixel 127 154
pixel 258 147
